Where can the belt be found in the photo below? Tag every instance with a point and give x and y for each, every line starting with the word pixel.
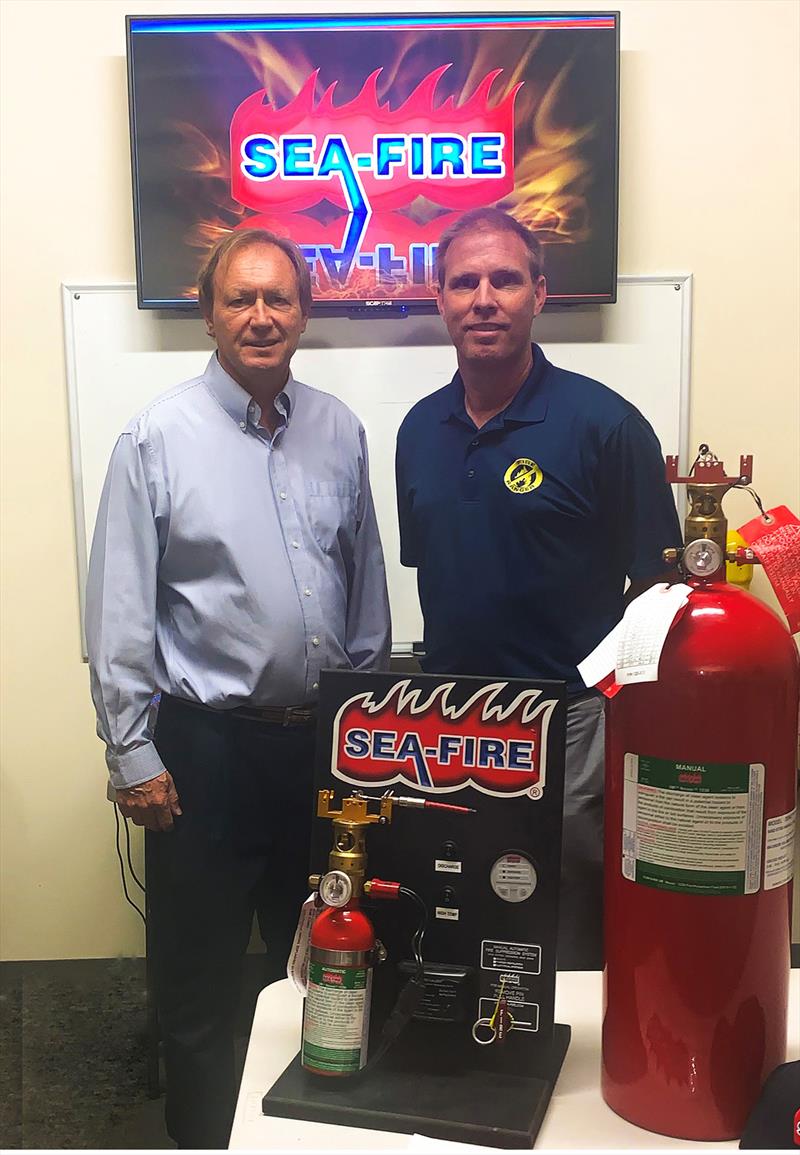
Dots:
pixel 277 715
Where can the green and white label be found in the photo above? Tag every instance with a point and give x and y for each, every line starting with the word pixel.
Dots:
pixel 336 1019
pixel 693 827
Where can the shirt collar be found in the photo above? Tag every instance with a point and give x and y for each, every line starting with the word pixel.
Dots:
pixel 528 406
pixel 236 401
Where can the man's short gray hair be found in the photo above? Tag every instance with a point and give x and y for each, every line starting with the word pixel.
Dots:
pixel 490 219
pixel 246 239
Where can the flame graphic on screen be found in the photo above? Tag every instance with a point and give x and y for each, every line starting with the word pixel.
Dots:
pixel 199 155
pixel 424 719
pixel 552 174
pixel 275 73
pixel 368 102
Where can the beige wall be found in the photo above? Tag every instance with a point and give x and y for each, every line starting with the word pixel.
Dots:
pixel 709 186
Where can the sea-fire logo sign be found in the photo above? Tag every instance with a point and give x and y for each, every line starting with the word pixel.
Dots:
pixel 421 738
pixel 365 156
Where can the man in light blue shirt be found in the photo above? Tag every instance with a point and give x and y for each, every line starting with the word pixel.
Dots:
pixel 236 555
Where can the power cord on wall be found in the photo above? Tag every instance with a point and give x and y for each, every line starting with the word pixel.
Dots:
pixel 128 898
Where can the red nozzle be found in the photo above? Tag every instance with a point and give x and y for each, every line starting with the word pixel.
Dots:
pixel 449 806
pixel 424 804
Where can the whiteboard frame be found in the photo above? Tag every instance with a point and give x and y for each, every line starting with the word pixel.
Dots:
pixel 72 290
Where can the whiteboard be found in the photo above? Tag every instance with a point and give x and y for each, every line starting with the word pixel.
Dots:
pixel 119 357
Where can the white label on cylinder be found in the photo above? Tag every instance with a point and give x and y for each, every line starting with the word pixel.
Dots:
pixel 779 850
pixel 692 827
pixel 336 1018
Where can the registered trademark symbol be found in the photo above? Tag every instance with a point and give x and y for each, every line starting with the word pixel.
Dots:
pixel 535 792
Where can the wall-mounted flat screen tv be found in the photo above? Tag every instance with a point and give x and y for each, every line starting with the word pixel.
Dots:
pixel 363 137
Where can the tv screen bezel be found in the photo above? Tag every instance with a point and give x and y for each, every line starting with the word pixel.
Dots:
pixel 357 308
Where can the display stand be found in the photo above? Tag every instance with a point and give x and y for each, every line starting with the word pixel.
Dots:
pixel 459 781
pixel 488 1108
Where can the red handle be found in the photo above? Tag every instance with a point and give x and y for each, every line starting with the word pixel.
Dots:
pixel 380 889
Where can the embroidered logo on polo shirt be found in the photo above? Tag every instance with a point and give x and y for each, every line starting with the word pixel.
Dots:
pixel 523 475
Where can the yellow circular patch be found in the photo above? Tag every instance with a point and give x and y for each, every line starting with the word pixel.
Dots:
pixel 523 475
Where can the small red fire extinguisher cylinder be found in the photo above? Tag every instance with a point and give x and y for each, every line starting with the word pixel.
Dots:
pixel 699 821
pixel 336 1011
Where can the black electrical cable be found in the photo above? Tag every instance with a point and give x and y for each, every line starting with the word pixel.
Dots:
pixel 128 854
pixel 419 933
pixel 738 485
pixel 411 995
pixel 703 451
pixel 749 489
pixel 128 898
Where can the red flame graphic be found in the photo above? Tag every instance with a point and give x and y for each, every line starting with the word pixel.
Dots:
pixel 435 746
pixel 358 121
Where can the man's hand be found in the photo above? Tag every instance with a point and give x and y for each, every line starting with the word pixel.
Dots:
pixel 151 804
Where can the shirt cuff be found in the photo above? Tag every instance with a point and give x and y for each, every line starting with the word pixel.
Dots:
pixel 134 766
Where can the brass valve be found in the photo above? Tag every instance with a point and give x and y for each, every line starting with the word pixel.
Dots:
pixel 350 821
pixel 355 808
pixel 706 527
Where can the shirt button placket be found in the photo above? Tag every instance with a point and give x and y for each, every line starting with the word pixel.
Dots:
pixel 470 481
pixel 301 568
pixel 291 533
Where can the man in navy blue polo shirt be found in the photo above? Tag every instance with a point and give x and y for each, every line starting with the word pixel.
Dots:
pixel 527 495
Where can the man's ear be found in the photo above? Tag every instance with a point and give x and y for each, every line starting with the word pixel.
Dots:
pixel 439 292
pixel 209 323
pixel 540 294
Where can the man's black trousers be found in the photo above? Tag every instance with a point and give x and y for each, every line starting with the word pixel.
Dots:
pixel 241 846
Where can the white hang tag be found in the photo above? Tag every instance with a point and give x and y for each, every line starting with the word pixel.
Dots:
pixel 644 630
pixel 598 668
pixel 297 964
pixel 599 665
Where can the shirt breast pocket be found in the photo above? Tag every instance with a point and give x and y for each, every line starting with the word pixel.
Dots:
pixel 332 513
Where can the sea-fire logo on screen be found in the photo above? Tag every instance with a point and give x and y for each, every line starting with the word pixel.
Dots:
pixel 366 157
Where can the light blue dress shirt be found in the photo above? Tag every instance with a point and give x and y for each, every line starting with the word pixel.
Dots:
pixel 229 566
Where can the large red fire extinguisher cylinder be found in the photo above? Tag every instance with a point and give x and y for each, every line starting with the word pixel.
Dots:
pixel 700 799
pixel 336 1012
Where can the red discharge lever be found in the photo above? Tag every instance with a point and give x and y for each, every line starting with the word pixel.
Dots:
pixel 377 888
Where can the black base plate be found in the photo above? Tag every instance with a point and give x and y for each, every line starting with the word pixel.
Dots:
pixel 489 1108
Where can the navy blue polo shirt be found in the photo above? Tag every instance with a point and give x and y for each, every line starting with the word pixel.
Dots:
pixel 523 531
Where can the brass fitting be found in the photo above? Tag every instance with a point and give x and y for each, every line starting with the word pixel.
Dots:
pixel 350 822
pixel 706 485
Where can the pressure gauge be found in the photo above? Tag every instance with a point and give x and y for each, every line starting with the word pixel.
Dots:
pixel 513 877
pixel 702 557
pixel 336 889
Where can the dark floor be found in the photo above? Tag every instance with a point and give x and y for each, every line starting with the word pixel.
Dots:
pixel 73 1055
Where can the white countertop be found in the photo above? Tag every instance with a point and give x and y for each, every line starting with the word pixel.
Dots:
pixel 577 1118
